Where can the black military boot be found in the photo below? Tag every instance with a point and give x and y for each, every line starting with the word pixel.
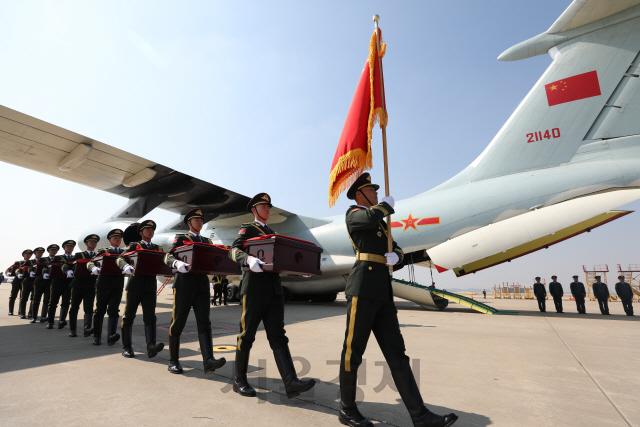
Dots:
pixel 49 325
pixel 240 383
pixel 292 384
pixel 152 348
pixel 112 327
pixel 88 330
pixel 410 394
pixel 97 330
pixel 11 306
pixel 62 321
pixel 209 362
pixel 127 350
pixel 36 306
pixel 349 414
pixel 174 355
pixel 73 324
pixel 43 315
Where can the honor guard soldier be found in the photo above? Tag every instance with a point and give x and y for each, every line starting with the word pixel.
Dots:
pixel 108 293
pixel 16 285
pixel 556 291
pixel 83 290
pixel 262 301
pixel 601 292
pixel 541 294
pixel 370 308
pixel 42 286
pixel 141 289
pixel 579 294
pixel 61 288
pixel 27 284
pixel 623 289
pixel 190 290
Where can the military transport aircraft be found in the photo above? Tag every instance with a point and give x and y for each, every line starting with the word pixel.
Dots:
pixel 568 155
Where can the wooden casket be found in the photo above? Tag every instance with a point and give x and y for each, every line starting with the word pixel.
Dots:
pixel 80 268
pixel 55 271
pixel 148 262
pixel 107 264
pixel 205 258
pixel 39 267
pixel 285 255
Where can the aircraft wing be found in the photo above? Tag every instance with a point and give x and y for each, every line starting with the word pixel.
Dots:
pixel 37 145
pixel 583 12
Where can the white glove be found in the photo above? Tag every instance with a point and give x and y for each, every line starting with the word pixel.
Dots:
pixel 8 274
pixel 182 267
pixel 128 269
pixel 254 264
pixel 45 276
pixel 19 276
pixel 95 271
pixel 32 274
pixel 69 274
pixel 389 201
pixel 392 258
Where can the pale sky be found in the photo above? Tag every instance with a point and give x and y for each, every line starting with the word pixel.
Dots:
pixel 226 90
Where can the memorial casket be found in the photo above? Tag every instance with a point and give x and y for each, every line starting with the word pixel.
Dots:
pixel 146 261
pixel 55 271
pixel 107 264
pixel 205 258
pixel 285 255
pixel 39 267
pixel 80 268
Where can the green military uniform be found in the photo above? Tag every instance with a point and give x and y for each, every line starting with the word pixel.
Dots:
pixel 601 292
pixel 190 290
pixel 141 289
pixel 83 291
pixel 60 288
pixel 262 301
pixel 16 284
pixel 42 289
pixel 625 293
pixel 108 297
pixel 27 288
pixel 370 308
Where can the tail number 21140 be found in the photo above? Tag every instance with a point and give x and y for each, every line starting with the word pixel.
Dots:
pixel 539 136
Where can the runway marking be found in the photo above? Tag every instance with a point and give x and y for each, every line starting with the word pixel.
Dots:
pixel 589 374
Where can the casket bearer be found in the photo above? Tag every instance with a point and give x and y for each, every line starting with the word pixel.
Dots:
pixel 141 289
pixel 42 286
pixel 16 285
pixel 108 293
pixel 83 289
pixel 262 301
pixel 190 290
pixel 61 288
pixel 27 284
pixel 370 308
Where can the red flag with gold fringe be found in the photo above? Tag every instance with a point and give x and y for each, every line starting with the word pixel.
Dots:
pixel 353 155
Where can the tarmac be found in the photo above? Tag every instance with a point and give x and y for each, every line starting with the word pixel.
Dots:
pixel 530 369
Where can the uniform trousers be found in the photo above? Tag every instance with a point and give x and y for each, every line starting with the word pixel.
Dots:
pixel 41 292
pixel 268 309
pixel 108 298
pixel 196 294
pixel 558 303
pixel 626 304
pixel 142 292
pixel 580 305
pixel 16 285
pixel 604 305
pixel 59 288
pixel 366 315
pixel 542 304
pixel 83 292
pixel 27 291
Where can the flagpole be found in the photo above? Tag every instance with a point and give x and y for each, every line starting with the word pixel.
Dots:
pixel 383 124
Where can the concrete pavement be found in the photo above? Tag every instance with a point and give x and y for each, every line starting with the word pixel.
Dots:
pixel 526 370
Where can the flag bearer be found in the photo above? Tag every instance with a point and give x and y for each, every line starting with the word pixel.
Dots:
pixel 370 308
pixel 83 290
pixel 190 290
pixel 141 289
pixel 262 301
pixel 61 288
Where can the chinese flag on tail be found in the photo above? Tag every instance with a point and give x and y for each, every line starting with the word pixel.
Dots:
pixel 353 155
pixel 573 88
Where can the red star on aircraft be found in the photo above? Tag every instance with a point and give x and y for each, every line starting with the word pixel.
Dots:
pixel 410 222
